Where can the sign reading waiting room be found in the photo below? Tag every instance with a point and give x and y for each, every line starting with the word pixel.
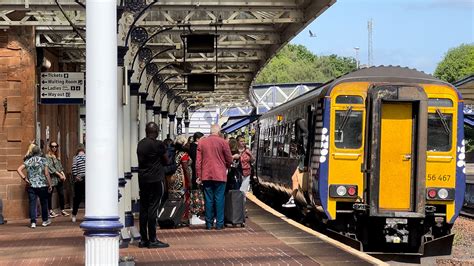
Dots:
pixel 62 88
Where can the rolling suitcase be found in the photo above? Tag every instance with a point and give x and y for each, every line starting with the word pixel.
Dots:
pixel 234 212
pixel 170 214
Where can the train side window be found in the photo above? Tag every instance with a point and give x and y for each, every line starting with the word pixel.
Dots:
pixel 287 139
pixel 293 144
pixel 440 102
pixel 348 131
pixel 349 99
pixel 439 131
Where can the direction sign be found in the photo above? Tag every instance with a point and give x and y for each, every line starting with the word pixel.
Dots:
pixel 62 88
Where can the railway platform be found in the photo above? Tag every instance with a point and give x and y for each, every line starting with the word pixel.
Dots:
pixel 269 238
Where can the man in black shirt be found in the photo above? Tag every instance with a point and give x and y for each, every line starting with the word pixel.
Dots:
pixel 151 173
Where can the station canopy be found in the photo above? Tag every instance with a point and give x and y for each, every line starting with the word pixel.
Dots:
pixel 247 33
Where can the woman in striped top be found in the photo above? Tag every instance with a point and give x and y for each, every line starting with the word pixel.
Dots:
pixel 79 179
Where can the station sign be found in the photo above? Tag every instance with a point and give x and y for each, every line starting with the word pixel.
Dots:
pixel 62 88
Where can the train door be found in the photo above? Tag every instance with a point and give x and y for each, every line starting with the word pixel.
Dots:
pixel 396 153
pixel 396 149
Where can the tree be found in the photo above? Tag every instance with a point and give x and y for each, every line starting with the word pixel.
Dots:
pixel 456 64
pixel 295 63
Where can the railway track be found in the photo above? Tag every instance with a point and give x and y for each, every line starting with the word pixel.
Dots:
pixel 467 212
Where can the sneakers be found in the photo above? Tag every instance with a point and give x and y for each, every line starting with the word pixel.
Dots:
pixel 64 213
pixel 196 221
pixel 46 223
pixel 73 218
pixel 290 203
pixel 52 214
pixel 33 225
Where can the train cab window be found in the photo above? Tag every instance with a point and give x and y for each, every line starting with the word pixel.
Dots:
pixel 348 130
pixel 349 99
pixel 440 102
pixel 439 131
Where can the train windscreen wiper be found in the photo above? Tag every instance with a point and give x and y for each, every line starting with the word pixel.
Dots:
pixel 346 118
pixel 443 121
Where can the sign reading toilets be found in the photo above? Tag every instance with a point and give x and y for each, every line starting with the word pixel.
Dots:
pixel 62 88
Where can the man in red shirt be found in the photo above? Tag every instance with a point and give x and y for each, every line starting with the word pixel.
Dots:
pixel 213 159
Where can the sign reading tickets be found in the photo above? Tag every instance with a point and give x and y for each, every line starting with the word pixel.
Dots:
pixel 62 88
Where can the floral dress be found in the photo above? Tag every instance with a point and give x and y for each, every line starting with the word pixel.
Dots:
pixel 178 186
pixel 178 182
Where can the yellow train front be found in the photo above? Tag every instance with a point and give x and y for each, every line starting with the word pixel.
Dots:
pixel 385 154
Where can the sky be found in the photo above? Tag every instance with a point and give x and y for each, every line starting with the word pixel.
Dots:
pixel 411 33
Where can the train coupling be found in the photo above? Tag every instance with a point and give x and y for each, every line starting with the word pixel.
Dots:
pixel 395 230
pixel 362 207
pixel 430 209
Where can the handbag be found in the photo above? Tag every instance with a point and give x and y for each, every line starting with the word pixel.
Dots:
pixel 197 201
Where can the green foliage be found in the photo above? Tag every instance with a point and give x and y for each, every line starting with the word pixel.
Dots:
pixel 295 63
pixel 456 64
pixel 469 137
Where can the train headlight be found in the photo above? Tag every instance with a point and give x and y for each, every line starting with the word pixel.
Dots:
pixel 352 191
pixel 443 193
pixel 434 193
pixel 341 191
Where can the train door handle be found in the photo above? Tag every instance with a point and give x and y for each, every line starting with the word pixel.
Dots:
pixel 406 157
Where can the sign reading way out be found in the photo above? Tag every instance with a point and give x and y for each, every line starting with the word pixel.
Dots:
pixel 62 88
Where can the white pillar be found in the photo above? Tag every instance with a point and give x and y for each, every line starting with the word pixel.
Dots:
pixel 179 125
pixel 186 123
pixel 156 115
pixel 134 140
pixel 164 118
pixel 142 123
pixel 101 223
pixel 149 111
pixel 171 116
pixel 172 127
pixel 120 169
pixel 127 160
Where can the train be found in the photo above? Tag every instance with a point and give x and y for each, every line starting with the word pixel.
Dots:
pixel 383 154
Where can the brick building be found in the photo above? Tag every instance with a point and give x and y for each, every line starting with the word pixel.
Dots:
pixel 24 120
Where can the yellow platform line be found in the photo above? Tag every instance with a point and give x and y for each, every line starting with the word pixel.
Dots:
pixel 325 238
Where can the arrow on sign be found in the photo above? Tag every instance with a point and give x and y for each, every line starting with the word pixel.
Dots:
pixel 43 94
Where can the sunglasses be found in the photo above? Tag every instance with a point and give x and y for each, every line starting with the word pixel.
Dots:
pixel 54 146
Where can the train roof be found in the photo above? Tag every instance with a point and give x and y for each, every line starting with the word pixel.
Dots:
pixel 375 73
pixel 390 73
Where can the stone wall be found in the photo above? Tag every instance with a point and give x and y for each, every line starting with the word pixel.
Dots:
pixel 17 114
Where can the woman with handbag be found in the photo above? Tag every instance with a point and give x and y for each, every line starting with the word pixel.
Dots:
pixel 57 177
pixel 180 181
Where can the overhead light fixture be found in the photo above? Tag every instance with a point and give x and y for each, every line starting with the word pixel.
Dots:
pixel 200 43
pixel 201 82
